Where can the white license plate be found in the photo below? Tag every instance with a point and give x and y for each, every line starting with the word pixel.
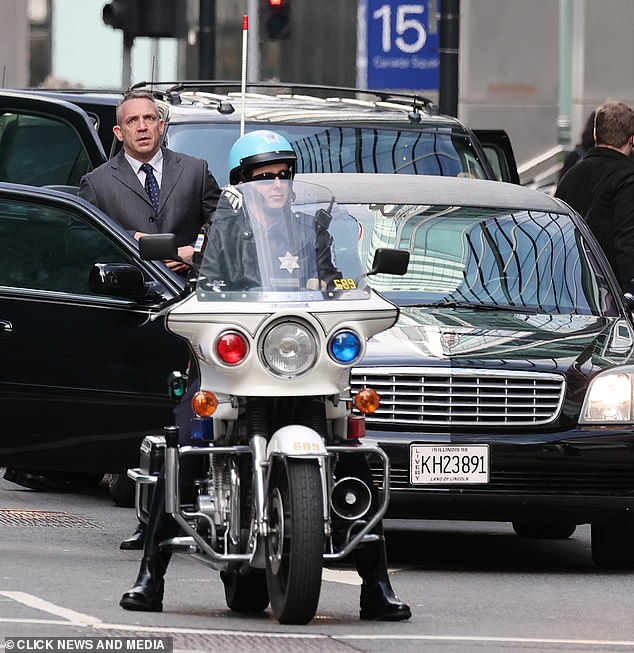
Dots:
pixel 436 464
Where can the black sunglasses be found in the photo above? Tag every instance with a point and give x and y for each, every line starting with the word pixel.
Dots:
pixel 284 175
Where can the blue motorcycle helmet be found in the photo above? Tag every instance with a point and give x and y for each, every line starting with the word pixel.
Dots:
pixel 259 148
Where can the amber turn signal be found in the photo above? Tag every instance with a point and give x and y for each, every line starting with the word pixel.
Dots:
pixel 367 401
pixel 204 403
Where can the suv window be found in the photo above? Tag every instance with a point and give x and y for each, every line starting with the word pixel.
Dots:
pixel 49 248
pixel 324 148
pixel 38 151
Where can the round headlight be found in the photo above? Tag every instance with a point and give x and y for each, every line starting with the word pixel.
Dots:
pixel 345 347
pixel 289 349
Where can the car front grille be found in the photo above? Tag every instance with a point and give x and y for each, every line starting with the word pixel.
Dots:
pixel 459 397
pixel 522 481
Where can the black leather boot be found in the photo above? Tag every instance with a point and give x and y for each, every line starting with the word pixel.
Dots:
pixel 136 541
pixel 147 593
pixel 378 600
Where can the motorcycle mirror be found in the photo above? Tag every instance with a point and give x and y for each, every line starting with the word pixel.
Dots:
pixel 389 261
pixel 158 247
pixel 162 247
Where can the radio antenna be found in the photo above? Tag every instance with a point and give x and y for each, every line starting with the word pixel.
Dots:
pixel 153 73
pixel 245 31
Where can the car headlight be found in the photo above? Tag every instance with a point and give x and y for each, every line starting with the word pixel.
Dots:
pixel 289 349
pixel 609 397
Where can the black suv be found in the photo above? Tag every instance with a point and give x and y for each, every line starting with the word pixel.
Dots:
pixel 332 129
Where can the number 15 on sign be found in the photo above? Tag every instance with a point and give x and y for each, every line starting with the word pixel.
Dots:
pixel 401 44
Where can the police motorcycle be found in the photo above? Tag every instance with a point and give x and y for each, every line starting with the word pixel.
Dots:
pixel 274 331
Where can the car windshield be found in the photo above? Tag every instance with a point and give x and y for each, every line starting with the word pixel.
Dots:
pixel 283 241
pixel 323 148
pixel 483 259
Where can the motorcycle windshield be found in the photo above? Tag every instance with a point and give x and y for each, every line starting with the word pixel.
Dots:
pixel 281 240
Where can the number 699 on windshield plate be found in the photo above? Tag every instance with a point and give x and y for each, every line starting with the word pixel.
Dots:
pixel 433 464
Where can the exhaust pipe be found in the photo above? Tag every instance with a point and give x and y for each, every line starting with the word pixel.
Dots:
pixel 351 498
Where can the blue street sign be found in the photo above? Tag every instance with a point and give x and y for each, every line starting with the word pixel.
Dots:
pixel 401 44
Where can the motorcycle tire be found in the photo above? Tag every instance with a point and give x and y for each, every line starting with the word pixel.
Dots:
pixel 245 592
pixel 295 543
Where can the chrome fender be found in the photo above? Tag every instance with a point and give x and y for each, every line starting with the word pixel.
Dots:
pixel 296 441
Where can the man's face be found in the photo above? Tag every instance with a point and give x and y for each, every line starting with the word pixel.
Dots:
pixel 139 128
pixel 273 189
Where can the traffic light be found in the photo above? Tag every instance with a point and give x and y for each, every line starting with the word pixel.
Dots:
pixel 154 18
pixel 275 19
pixel 122 14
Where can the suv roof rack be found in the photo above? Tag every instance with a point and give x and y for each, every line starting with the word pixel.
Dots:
pixel 171 92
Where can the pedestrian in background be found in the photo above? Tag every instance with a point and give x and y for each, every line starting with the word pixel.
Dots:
pixel 581 148
pixel 601 187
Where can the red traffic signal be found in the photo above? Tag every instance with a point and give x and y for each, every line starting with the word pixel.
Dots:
pixel 275 19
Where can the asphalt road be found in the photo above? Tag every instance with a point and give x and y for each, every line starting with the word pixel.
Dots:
pixel 472 588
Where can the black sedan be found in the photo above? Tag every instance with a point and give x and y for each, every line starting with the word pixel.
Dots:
pixel 83 375
pixel 507 384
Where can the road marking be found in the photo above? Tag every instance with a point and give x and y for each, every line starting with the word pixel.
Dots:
pixel 345 576
pixel 602 644
pixel 341 576
pixel 73 618
pixel 77 618
pixel 33 622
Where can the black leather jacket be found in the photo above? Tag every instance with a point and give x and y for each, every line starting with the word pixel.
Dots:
pixel 230 260
pixel 601 189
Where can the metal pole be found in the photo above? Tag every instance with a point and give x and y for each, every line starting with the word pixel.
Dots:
pixel 564 119
pixel 207 39
pixel 126 66
pixel 449 48
pixel 253 66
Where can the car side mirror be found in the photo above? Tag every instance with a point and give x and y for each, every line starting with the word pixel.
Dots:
pixel 390 261
pixel 118 280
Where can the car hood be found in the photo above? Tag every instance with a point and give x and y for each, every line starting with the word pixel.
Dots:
pixel 491 339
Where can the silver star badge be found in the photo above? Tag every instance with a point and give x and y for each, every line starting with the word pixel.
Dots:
pixel 289 262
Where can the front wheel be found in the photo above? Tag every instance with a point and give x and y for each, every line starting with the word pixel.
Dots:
pixel 295 544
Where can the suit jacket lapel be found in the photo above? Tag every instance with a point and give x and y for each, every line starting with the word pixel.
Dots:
pixel 122 171
pixel 172 171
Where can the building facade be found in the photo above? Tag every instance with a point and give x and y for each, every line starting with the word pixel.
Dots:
pixel 535 69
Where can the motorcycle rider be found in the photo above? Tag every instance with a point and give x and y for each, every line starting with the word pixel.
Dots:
pixel 265 156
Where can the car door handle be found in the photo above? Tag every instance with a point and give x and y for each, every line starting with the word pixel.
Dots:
pixel 6 327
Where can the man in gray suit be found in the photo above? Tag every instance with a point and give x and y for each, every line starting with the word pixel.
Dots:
pixel 175 194
pixel 150 189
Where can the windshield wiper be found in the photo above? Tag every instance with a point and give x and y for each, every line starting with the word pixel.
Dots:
pixel 450 303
